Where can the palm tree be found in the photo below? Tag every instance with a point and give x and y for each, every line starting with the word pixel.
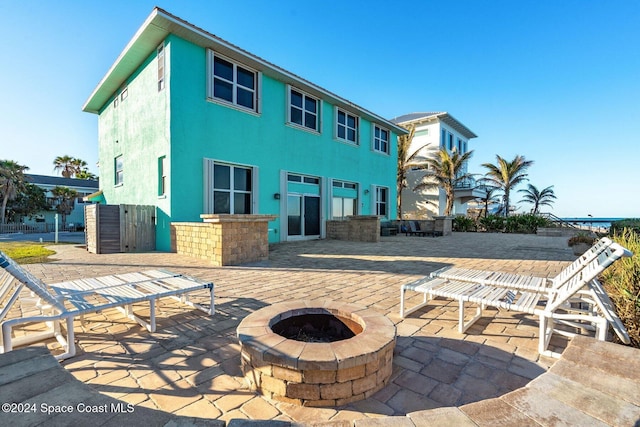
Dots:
pixel 66 164
pixel 85 174
pixel 538 198
pixel 445 171
pixel 12 181
pixel 490 197
pixel 506 175
pixel 405 162
pixel 66 197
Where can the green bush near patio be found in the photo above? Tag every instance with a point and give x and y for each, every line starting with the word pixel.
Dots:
pixel 629 223
pixel 525 223
pixel 464 223
pixel 622 283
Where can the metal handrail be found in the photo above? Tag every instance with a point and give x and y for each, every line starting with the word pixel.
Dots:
pixel 556 220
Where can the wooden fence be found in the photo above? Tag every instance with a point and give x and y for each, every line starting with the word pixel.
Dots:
pixel 120 228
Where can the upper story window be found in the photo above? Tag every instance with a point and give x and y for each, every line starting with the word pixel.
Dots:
pixel 160 67
pixel 233 83
pixel 119 170
pixel 443 138
pixel 346 126
pixel 304 110
pixel 450 141
pixel 380 139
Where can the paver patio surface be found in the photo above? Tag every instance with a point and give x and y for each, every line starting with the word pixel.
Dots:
pixel 191 365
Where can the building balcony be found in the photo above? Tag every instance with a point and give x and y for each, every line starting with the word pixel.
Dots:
pixel 468 190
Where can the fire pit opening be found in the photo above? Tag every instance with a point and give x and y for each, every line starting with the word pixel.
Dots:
pixel 317 328
pixel 316 353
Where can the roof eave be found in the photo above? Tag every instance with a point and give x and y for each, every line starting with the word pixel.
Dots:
pixel 443 117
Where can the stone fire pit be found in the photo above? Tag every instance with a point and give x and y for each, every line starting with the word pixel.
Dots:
pixel 319 370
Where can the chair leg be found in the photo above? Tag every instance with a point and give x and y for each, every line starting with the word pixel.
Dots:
pixel 462 326
pixel 405 311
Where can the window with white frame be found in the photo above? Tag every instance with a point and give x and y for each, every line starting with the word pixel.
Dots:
pixel 119 170
pixel 450 139
pixel 343 207
pixel 443 138
pixel 382 201
pixel 344 200
pixel 232 189
pixel 162 176
pixel 232 82
pixel 304 110
pixel 346 126
pixel 160 55
pixel 380 139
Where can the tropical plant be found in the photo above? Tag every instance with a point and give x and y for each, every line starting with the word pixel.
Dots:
pixel 66 197
pixel 12 181
pixel 622 283
pixel 631 224
pixel 538 198
pixel 31 200
pixel 490 196
pixel 582 237
pixel 463 223
pixel 492 223
pixel 71 167
pixel 406 161
pixel 506 175
pixel 66 164
pixel 446 171
pixel 85 174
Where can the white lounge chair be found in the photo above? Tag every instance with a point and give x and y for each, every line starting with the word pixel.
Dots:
pixel 551 304
pixel 64 301
pixel 519 281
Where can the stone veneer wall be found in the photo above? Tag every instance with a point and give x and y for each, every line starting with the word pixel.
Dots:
pixel 443 225
pixel 223 239
pixel 359 228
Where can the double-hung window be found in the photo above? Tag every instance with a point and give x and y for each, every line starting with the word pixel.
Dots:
pixel 304 110
pixel 119 170
pixel 233 83
pixel 232 189
pixel 380 139
pixel 346 126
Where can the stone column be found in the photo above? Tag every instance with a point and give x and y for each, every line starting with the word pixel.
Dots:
pixel 444 225
pixel 223 239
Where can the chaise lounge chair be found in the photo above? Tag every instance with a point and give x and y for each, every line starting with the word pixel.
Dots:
pixel 551 304
pixel 65 301
pixel 518 281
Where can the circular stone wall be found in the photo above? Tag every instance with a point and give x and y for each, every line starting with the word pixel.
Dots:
pixel 312 373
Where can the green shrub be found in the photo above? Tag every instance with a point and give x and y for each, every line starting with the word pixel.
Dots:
pixel 492 223
pixel 630 223
pixel 527 223
pixel 622 282
pixel 581 237
pixel 463 223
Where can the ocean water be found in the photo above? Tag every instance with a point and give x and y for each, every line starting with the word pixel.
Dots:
pixel 595 222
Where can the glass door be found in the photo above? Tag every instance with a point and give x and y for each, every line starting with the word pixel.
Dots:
pixel 303 216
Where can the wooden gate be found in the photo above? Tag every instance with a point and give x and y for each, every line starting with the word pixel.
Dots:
pixel 137 228
pixel 120 228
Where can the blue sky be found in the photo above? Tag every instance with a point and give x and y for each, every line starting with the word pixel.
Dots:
pixel 555 81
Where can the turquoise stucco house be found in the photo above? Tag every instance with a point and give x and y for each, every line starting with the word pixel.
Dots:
pixel 192 124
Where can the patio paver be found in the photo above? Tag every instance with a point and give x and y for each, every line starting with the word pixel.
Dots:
pixel 190 366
